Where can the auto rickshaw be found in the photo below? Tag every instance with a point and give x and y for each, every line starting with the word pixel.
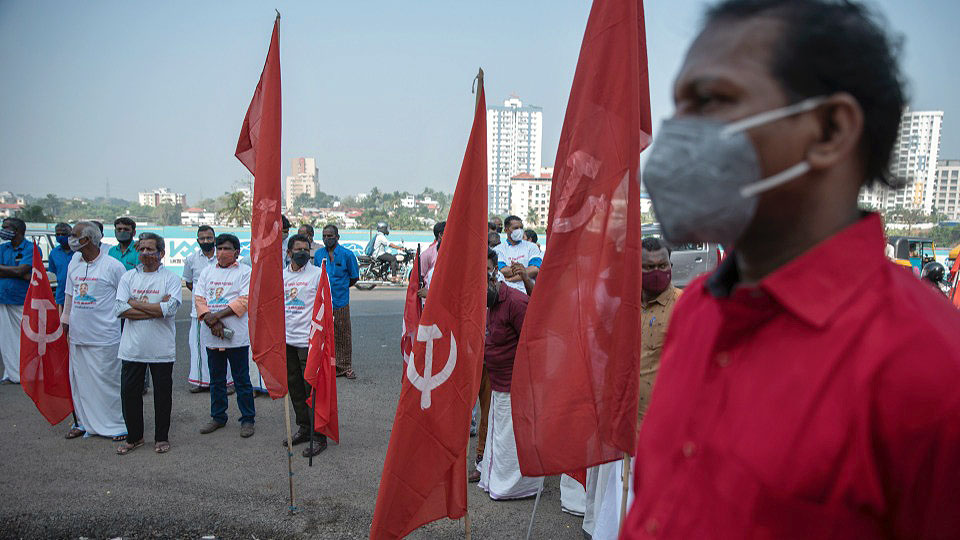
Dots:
pixel 912 251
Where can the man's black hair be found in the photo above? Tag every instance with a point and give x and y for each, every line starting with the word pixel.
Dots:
pixel 438 229
pixel 60 225
pixel 336 230
pixel 652 243
pixel 202 228
pixel 158 241
pixel 297 238
pixel 831 46
pixel 307 226
pixel 509 219
pixel 228 238
pixel 286 222
pixel 124 220
pixel 531 234
pixel 18 224
pixel 492 256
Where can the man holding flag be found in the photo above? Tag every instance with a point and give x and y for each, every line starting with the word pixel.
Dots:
pixel 320 373
pixel 44 352
pixel 425 470
pixel 300 283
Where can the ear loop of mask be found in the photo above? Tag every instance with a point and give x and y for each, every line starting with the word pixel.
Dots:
pixel 788 174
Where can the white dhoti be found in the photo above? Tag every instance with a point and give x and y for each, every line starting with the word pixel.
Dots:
pixel 500 468
pixel 10 316
pixel 573 497
pixel 199 368
pixel 607 505
pixel 95 383
pixel 596 484
pixel 255 379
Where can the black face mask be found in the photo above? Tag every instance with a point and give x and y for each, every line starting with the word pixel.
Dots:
pixel 329 242
pixel 206 246
pixel 493 294
pixel 301 257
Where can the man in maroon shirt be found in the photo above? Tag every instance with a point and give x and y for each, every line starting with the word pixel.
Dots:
pixel 808 387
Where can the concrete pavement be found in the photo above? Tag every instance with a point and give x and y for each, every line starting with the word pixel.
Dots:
pixel 224 486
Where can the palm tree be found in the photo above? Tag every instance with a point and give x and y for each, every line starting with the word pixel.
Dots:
pixel 236 209
pixel 533 219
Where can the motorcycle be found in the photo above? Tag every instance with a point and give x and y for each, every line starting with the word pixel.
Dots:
pixel 374 272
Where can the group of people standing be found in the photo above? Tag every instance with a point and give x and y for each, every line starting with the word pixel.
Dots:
pixel 118 309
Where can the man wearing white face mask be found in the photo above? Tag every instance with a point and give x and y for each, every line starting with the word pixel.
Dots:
pixel 517 254
pixel 790 401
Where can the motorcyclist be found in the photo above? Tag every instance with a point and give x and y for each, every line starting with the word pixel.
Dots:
pixel 380 253
pixel 935 273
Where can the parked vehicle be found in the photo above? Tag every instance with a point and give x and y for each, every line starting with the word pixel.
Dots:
pixel 912 251
pixel 689 260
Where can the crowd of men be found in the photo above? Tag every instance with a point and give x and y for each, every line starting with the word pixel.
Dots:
pixel 118 306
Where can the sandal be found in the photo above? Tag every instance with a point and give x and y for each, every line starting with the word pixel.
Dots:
pixel 119 438
pixel 162 447
pixel 75 432
pixel 126 448
pixel 349 374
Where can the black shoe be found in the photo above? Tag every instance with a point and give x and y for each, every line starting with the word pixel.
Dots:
pixel 318 446
pixel 302 436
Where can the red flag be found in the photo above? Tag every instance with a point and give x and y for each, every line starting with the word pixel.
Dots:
pixel 412 307
pixel 44 353
pixel 574 388
pixel 321 361
pixel 259 150
pixel 425 471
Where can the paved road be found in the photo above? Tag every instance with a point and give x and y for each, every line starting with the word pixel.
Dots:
pixel 222 485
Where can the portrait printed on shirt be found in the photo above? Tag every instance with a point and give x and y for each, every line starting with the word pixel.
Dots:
pixel 150 296
pixel 292 302
pixel 83 292
pixel 215 294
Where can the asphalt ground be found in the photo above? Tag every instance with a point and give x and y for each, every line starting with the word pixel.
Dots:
pixel 223 486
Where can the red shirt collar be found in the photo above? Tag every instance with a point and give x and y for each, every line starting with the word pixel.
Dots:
pixel 819 282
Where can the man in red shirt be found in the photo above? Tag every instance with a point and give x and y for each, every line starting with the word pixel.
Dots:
pixel 808 387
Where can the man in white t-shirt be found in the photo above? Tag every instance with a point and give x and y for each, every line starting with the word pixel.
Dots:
pixel 380 253
pixel 94 332
pixel 221 298
pixel 300 282
pixel 516 253
pixel 193 266
pixel 148 297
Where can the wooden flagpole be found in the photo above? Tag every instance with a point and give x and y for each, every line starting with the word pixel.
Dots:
pixel 625 476
pixel 286 413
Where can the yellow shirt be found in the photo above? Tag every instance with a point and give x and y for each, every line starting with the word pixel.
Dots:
pixel 654 318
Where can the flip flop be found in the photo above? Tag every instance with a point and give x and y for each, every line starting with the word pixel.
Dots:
pixel 126 448
pixel 162 447
pixel 74 433
pixel 119 438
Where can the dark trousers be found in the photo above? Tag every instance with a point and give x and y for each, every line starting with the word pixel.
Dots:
pixel 484 397
pixel 238 358
pixel 131 398
pixel 298 388
pixel 392 259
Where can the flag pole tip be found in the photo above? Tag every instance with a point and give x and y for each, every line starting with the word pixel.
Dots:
pixel 479 77
pixel 278 13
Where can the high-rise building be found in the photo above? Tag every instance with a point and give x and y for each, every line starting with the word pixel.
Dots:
pixel 161 196
pixel 530 197
pixel 514 144
pixel 914 161
pixel 302 179
pixel 946 190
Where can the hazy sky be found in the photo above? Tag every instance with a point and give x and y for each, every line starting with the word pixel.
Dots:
pixel 147 94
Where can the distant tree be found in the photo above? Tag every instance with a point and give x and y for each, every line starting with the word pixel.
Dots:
pixel 52 205
pixel 533 219
pixel 168 214
pixel 33 214
pixel 235 210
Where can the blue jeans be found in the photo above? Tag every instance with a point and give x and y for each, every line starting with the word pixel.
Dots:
pixel 239 358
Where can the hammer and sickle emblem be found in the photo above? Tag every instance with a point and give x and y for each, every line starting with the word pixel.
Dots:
pixel 267 239
pixel 431 380
pixel 40 337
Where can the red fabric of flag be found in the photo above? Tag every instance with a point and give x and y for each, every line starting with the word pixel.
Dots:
pixel 574 388
pixel 412 306
pixel 321 362
pixel 259 150
pixel 425 471
pixel 44 352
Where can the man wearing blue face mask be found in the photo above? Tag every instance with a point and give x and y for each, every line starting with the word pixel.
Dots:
pixel 124 230
pixel 16 256
pixel 517 254
pixel 58 261
pixel 790 402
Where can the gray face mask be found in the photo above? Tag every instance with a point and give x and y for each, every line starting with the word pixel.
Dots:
pixel 703 176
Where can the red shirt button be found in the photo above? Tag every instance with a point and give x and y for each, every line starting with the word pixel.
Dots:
pixel 652 526
pixel 689 449
pixel 723 359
